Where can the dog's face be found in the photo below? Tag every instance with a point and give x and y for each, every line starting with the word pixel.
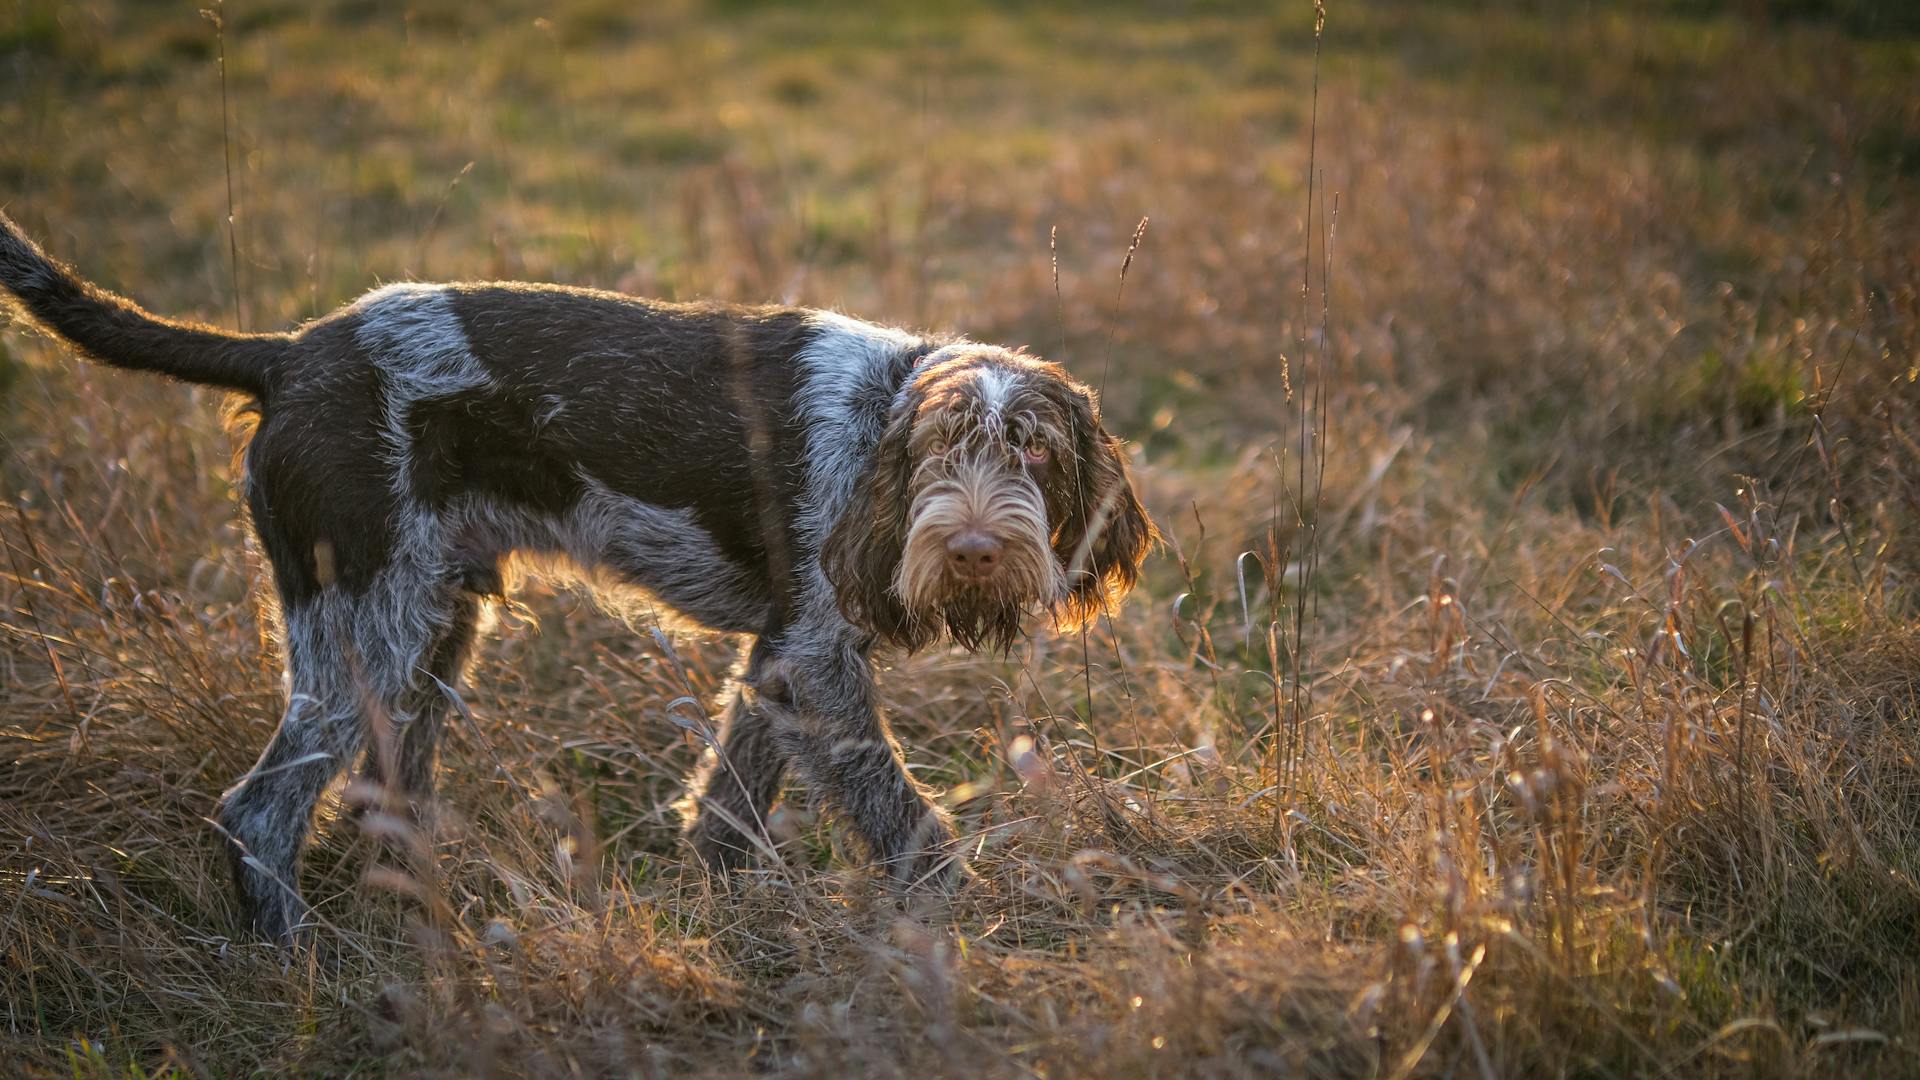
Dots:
pixel 994 493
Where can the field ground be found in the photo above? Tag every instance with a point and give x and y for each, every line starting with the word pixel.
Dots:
pixel 1583 739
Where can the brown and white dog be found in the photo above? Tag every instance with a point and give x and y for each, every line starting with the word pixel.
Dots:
pixel 823 484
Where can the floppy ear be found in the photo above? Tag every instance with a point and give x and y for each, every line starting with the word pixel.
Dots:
pixel 1105 534
pixel 862 552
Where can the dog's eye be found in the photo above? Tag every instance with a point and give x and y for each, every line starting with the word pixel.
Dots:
pixel 1035 453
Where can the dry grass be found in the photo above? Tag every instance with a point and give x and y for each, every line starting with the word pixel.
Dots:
pixel 1608 764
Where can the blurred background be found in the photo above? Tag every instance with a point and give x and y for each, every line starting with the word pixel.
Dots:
pixel 1527 391
pixel 1534 195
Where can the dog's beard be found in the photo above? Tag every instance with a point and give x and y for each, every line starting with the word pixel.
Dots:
pixel 1004 505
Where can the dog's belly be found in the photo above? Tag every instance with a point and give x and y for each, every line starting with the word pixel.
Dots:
pixel 616 545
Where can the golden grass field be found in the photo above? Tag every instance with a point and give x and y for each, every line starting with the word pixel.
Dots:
pixel 1548 706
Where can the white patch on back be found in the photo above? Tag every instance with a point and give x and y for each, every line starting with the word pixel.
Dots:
pixel 414 339
pixel 412 335
pixel 845 367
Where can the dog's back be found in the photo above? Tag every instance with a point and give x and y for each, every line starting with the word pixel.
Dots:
pixel 566 422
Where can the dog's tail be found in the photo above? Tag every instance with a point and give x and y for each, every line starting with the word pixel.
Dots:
pixel 117 331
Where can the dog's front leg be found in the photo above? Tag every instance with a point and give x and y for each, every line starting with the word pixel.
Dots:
pixel 736 785
pixel 837 739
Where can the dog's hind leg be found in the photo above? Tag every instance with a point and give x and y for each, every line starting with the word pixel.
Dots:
pixel 265 816
pixel 736 784
pixel 405 746
pixel 353 661
pixel 433 698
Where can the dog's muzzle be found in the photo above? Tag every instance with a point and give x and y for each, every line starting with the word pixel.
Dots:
pixel 977 537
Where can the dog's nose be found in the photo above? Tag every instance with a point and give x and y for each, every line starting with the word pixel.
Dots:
pixel 974 555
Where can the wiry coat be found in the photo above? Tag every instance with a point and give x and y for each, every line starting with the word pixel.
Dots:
pixel 786 473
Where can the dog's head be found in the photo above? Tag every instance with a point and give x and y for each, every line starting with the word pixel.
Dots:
pixel 993 492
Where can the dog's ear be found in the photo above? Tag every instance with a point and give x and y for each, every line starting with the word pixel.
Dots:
pixel 862 553
pixel 1105 533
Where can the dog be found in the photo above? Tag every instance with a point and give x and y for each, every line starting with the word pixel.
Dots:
pixel 828 486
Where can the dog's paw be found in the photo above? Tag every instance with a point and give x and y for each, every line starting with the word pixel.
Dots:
pixel 944 874
pixel 720 848
pixel 935 865
pixel 280 919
